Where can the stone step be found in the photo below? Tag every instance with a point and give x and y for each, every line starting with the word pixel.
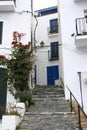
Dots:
pixel 51 105
pixel 50 108
pixel 41 98
pixel 48 92
pixel 49 121
pixel 50 112
pixel 48 96
pixel 48 88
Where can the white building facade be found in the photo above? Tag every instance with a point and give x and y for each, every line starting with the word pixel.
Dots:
pixel 15 16
pixel 47 55
pixel 73 50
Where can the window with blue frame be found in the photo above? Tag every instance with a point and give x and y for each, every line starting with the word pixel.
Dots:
pixel 1 27
pixel 54 50
pixel 54 26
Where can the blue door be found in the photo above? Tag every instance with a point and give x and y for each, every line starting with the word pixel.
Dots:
pixel 3 91
pixel 52 74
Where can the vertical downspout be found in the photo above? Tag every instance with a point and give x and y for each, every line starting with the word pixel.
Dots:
pixel 31 37
pixel 31 24
pixel 79 73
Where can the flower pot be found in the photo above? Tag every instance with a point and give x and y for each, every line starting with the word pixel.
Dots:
pixel 9 122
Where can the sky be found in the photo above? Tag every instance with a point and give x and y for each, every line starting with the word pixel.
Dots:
pixel 40 4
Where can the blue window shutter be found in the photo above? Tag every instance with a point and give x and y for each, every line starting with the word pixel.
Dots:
pixel 1 26
pixel 54 49
pixel 54 25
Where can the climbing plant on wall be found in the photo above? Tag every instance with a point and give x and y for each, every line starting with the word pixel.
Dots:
pixel 19 67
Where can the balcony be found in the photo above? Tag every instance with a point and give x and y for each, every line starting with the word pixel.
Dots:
pixel 81 33
pixel 52 32
pixel 79 0
pixel 52 57
pixel 7 5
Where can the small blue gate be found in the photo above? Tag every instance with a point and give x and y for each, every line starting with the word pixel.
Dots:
pixel 52 74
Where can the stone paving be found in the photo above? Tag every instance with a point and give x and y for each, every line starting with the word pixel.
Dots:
pixel 50 112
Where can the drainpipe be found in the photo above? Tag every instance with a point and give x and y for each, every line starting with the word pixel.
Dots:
pixel 79 73
pixel 31 24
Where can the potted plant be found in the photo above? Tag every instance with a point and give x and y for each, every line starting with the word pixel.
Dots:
pixel 13 116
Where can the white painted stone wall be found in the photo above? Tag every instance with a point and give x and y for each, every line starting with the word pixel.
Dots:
pixel 42 33
pixel 42 63
pixel 44 4
pixel 42 52
pixel 73 60
pixel 16 21
pixel 20 21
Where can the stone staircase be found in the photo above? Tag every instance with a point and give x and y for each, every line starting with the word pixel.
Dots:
pixel 50 112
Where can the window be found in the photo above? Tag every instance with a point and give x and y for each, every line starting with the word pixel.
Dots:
pixel 54 50
pixel 1 27
pixel 54 26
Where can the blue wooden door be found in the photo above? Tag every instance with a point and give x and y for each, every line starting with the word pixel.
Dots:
pixel 52 74
pixel 3 91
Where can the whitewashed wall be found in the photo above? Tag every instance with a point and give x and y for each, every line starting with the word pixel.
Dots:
pixel 19 21
pixel 16 21
pixel 44 4
pixel 42 53
pixel 42 63
pixel 42 33
pixel 74 60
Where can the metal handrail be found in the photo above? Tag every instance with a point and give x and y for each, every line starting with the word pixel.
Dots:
pixel 79 108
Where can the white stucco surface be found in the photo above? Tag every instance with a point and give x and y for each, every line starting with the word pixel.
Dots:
pixel 42 52
pixel 74 60
pixel 44 4
pixel 20 21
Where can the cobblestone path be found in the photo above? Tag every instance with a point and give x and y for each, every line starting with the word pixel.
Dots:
pixel 50 112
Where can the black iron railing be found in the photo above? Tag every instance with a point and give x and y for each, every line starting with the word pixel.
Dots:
pixel 52 56
pixel 53 30
pixel 81 26
pixel 79 107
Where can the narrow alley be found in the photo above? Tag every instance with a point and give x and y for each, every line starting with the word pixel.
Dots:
pixel 50 112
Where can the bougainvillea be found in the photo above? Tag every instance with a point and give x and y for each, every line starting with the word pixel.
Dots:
pixel 2 60
pixel 19 67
